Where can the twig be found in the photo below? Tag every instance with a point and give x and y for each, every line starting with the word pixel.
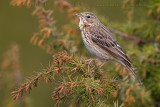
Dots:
pixel 34 82
pixel 136 39
pixel 152 61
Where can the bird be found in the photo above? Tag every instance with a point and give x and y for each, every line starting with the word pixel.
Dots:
pixel 100 41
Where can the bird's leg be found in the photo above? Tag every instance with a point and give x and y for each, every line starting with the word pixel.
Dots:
pixel 102 66
pixel 99 69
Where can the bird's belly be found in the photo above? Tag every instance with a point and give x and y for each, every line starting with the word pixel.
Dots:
pixel 91 49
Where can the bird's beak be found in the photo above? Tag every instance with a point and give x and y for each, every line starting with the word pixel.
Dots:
pixel 78 14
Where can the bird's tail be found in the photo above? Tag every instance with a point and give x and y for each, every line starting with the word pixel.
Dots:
pixel 128 65
pixel 131 69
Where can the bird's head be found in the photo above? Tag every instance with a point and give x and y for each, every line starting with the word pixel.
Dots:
pixel 87 19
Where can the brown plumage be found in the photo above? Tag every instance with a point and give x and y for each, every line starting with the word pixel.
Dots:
pixel 99 40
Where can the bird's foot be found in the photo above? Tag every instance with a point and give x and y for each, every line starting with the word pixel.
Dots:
pixel 90 60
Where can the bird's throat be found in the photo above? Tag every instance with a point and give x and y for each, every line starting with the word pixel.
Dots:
pixel 81 24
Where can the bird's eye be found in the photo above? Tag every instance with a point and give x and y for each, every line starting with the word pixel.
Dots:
pixel 88 16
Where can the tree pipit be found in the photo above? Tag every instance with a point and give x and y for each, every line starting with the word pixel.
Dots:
pixel 100 42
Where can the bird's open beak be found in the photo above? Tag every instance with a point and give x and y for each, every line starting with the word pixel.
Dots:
pixel 78 14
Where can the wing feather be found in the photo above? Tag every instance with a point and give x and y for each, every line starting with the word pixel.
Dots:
pixel 105 40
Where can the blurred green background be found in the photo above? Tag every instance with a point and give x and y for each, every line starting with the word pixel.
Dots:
pixel 17 25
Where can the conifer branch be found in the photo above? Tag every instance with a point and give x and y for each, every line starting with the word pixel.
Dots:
pixel 77 79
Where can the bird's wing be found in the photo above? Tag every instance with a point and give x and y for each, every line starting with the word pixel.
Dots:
pixel 104 39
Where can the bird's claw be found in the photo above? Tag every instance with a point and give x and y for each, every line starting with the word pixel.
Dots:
pixel 90 60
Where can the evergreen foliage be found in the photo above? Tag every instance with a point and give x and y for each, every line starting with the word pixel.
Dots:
pixel 78 81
